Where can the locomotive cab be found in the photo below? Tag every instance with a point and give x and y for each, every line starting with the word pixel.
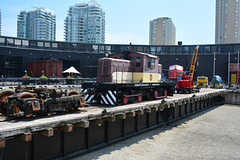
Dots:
pixel 143 68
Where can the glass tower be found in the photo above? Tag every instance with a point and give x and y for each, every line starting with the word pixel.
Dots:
pixel 37 24
pixel 85 23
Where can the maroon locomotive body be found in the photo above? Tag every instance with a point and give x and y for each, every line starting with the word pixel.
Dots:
pixel 108 66
pixel 129 67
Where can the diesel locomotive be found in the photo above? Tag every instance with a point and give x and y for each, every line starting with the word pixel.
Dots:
pixel 127 77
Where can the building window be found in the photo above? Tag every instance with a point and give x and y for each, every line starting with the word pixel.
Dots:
pixel 2 40
pixel 17 42
pixel 47 44
pixel 54 45
pixel 25 42
pixel 9 41
pixel 40 44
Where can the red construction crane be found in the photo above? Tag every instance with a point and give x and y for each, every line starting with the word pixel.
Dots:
pixel 186 84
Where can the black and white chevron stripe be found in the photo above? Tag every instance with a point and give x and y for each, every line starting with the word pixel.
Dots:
pixel 88 98
pixel 107 98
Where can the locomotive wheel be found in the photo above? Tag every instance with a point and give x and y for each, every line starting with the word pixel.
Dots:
pixel 155 94
pixel 15 108
pixel 72 92
pixel 23 95
pixel 124 99
pixel 119 101
pixel 139 98
pixel 149 95
pixel 3 97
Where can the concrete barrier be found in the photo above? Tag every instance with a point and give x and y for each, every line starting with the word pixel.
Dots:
pixel 232 96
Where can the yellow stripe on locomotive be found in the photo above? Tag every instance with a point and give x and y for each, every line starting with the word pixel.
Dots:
pixel 146 77
pixel 135 77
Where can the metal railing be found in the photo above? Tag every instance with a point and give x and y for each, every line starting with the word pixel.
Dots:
pixel 7 81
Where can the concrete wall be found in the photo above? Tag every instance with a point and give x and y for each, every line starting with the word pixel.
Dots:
pixel 233 97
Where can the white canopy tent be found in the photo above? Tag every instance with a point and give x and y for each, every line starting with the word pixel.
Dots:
pixel 71 70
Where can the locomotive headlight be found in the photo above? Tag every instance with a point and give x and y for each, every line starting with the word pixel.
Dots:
pixel 107 54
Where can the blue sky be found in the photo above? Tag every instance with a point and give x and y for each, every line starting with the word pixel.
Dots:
pixel 128 20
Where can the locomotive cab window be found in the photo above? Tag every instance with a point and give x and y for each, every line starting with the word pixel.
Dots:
pixel 151 62
pixel 138 61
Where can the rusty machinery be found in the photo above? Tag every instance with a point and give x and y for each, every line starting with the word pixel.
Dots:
pixel 27 101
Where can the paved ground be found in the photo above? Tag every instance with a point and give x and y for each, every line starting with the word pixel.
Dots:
pixel 212 134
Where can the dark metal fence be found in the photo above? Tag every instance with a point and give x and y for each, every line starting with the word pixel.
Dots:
pixel 42 81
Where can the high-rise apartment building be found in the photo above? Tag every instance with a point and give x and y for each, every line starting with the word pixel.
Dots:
pixel 0 22
pixel 162 32
pixel 85 23
pixel 37 24
pixel 227 21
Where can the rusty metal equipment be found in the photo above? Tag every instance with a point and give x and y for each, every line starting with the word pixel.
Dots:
pixel 3 100
pixel 28 101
